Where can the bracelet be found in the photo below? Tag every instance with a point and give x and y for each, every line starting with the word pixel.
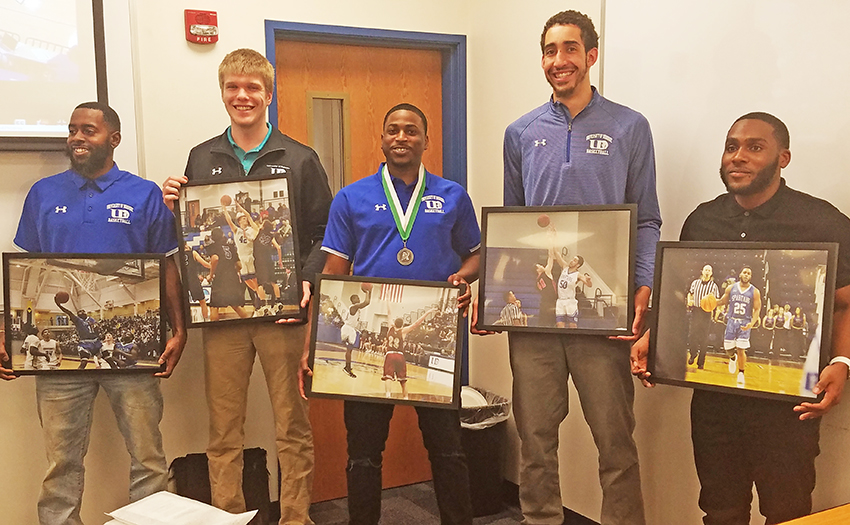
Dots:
pixel 841 359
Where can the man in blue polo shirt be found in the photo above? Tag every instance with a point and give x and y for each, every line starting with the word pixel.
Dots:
pixel 96 208
pixel 406 223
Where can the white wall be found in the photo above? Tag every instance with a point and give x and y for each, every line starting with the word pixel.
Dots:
pixel 691 69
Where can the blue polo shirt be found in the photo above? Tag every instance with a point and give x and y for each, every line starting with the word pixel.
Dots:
pixel 116 213
pixel 247 158
pixel 361 229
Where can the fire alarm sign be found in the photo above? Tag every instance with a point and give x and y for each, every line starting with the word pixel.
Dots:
pixel 201 26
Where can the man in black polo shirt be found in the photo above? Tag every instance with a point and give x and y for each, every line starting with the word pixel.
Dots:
pixel 740 440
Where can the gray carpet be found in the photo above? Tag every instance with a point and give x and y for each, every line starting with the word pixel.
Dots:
pixel 410 505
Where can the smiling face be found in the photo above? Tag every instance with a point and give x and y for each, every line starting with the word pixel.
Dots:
pixel 404 140
pixel 246 99
pixel 90 143
pixel 566 62
pixel 752 160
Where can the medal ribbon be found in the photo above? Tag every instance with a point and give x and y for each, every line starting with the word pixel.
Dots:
pixel 404 222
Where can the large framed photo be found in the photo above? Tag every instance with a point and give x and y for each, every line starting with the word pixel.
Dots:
pixel 562 269
pixel 240 251
pixel 386 340
pixel 749 318
pixel 84 313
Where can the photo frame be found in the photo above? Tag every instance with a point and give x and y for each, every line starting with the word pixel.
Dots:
pixel 700 342
pixel 252 272
pixel 401 338
pixel 84 313
pixel 527 253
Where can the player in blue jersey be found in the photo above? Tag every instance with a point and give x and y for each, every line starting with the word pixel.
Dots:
pixel 744 306
pixel 90 344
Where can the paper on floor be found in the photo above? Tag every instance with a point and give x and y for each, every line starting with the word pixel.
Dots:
pixel 165 508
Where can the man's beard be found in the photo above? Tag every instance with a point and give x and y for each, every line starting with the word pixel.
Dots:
pixel 95 161
pixel 759 183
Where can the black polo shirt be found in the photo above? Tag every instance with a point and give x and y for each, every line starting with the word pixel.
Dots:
pixel 789 216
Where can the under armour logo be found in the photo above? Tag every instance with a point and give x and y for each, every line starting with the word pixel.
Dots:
pixel 379 207
pixel 61 209
pixel 541 142
pixel 216 170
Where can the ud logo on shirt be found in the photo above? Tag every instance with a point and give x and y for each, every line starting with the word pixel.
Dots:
pixel 380 207
pixel 541 142
pixel 597 143
pixel 61 209
pixel 433 203
pixel 119 212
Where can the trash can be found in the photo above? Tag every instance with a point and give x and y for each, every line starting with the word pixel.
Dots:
pixel 482 418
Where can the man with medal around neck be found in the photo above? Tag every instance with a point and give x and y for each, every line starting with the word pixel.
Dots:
pixel 403 222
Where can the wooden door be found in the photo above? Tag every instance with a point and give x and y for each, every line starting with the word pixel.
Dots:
pixel 373 79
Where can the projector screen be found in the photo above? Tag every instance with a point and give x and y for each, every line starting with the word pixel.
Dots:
pixel 47 66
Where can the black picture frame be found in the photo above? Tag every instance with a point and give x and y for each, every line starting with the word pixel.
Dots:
pixel 271 283
pixel 516 242
pixel 431 358
pixel 125 292
pixel 781 363
pixel 58 143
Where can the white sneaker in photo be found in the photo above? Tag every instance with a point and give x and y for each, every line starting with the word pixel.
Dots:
pixel 740 382
pixel 733 364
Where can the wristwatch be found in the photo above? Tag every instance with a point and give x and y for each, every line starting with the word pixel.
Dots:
pixel 841 359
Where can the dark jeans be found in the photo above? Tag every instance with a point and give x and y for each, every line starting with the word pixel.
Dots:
pixel 698 339
pixel 367 426
pixel 739 441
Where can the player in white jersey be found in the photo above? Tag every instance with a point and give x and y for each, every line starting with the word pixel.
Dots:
pixel 35 358
pixel 744 302
pixel 351 317
pixel 50 348
pixel 244 235
pixel 566 307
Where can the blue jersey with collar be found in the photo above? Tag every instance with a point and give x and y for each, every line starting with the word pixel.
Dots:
pixel 361 229
pixel 116 213
pixel 603 155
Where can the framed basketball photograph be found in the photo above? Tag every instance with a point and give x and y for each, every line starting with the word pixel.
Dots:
pixel 84 313
pixel 561 269
pixel 747 318
pixel 386 340
pixel 239 251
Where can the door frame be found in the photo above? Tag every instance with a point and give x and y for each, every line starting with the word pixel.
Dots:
pixel 452 48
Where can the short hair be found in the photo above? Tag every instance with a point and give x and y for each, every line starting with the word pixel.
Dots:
pixel 507 295
pixel 407 107
pixel 580 261
pixel 780 130
pixel 399 322
pixel 246 62
pixel 110 117
pixel 589 37
pixel 746 267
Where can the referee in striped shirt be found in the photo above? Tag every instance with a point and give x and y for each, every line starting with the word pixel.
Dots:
pixel 700 319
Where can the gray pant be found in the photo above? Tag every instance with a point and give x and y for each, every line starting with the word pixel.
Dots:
pixel 541 365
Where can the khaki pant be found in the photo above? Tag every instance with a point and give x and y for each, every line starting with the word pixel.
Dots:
pixel 229 353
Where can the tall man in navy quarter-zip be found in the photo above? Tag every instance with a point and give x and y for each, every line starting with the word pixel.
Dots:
pixel 579 148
